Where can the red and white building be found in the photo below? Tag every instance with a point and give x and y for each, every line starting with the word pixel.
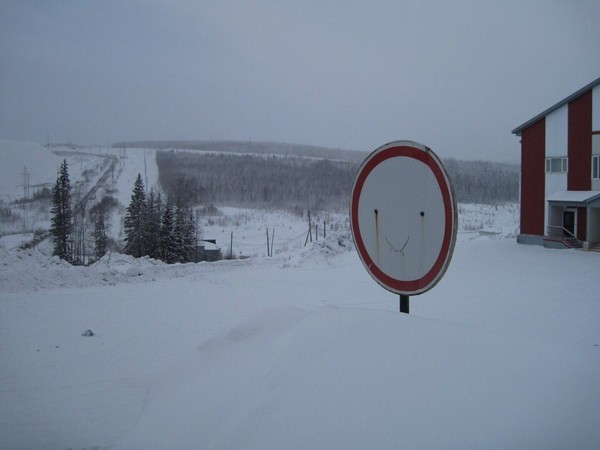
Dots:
pixel 560 173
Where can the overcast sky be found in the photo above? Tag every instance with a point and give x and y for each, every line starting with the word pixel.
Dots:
pixel 457 76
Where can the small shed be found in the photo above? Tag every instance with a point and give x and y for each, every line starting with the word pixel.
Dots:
pixel 207 250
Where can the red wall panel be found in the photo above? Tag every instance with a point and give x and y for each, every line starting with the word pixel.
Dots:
pixel 533 144
pixel 579 143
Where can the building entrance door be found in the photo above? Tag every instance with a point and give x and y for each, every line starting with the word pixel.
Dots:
pixel 569 222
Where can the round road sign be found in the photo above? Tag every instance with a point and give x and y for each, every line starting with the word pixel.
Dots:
pixel 403 217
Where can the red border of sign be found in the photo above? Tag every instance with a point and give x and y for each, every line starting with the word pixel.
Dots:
pixel 426 156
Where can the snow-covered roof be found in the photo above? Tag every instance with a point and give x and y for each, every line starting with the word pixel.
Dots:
pixel 207 245
pixel 574 196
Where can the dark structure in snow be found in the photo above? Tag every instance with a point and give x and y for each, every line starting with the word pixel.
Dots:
pixel 207 250
pixel 560 173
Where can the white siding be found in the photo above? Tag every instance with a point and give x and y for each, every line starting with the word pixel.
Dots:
pixel 556 145
pixel 596 108
pixel 554 182
pixel 556 132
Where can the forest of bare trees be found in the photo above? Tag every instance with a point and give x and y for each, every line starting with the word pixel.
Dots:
pixel 269 181
pixel 255 181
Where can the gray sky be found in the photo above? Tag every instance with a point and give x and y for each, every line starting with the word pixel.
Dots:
pixel 457 76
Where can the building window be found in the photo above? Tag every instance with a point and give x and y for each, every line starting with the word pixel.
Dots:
pixel 557 165
pixel 596 167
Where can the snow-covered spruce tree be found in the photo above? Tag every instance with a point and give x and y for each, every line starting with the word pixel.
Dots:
pixel 100 238
pixel 178 234
pixel 61 223
pixel 152 228
pixel 135 220
pixel 190 236
pixel 168 246
pixel 99 218
pixel 185 234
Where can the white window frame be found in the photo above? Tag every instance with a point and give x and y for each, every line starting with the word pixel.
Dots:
pixel 595 167
pixel 564 164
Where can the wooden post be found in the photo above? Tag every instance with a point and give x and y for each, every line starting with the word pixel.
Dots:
pixel 231 247
pixel 324 229
pixel 309 227
pixel 272 240
pixel 268 242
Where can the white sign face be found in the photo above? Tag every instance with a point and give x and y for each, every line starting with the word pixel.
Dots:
pixel 403 217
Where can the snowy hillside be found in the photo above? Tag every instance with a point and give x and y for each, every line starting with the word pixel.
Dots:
pixel 14 157
pixel 94 173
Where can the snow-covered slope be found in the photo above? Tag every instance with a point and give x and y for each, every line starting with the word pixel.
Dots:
pixel 303 352
pixel 94 173
pixel 41 166
pixel 134 162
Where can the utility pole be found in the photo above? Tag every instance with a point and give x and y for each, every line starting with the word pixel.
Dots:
pixel 25 183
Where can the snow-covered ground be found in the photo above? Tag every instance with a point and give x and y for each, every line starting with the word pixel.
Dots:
pixel 302 350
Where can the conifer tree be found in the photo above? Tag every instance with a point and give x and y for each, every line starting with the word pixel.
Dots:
pixel 190 236
pixel 135 220
pixel 179 233
pixel 99 219
pixel 152 228
pixel 62 215
pixel 168 245
pixel 100 238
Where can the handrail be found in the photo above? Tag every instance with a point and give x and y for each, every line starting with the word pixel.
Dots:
pixel 565 236
pixel 562 230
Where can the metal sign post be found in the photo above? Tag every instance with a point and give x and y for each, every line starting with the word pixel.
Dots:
pixel 404 303
pixel 403 217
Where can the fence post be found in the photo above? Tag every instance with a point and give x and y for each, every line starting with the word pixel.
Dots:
pixel 272 240
pixel 268 242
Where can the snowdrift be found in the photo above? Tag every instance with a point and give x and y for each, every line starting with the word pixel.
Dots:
pixel 356 379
